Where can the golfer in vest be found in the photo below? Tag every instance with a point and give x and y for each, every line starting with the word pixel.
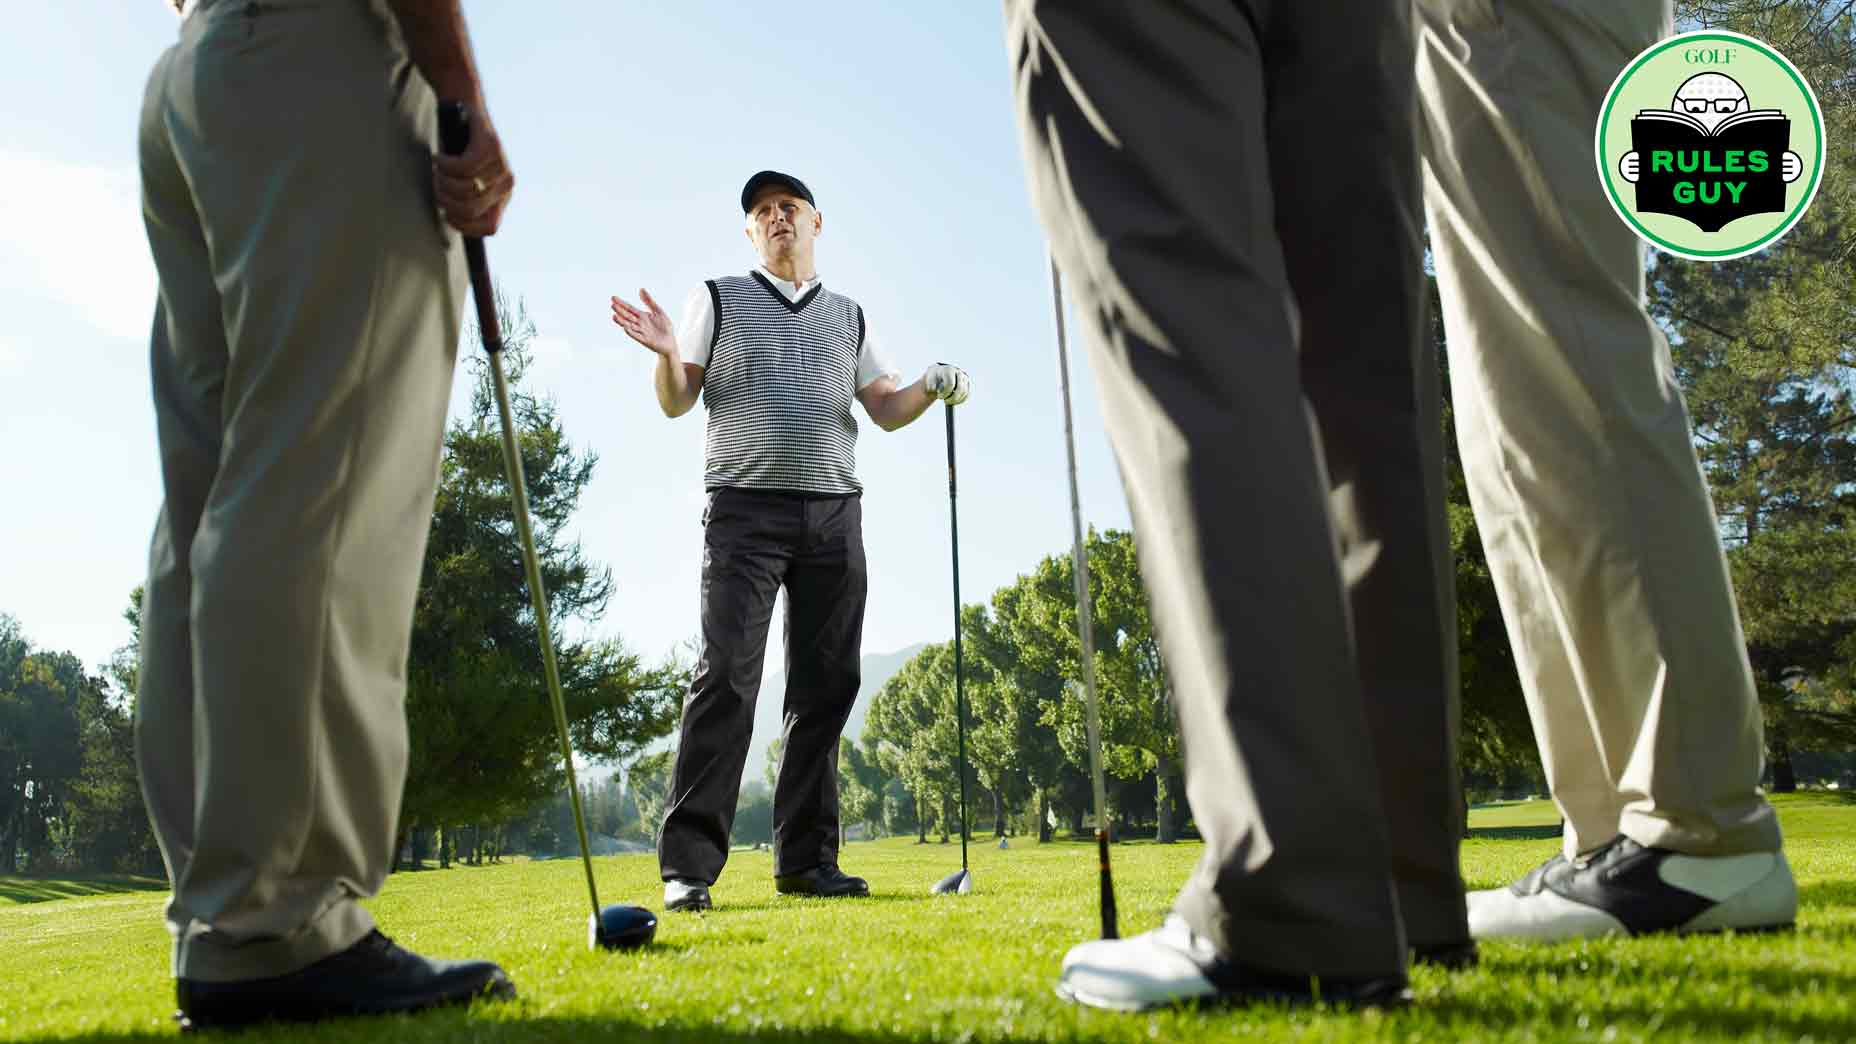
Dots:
pixel 777 358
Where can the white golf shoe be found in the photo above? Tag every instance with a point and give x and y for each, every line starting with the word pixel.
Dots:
pixel 1624 888
pixel 1173 964
pixel 1164 966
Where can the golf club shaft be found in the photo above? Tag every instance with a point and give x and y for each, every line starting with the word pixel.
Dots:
pixel 1084 621
pixel 960 696
pixel 454 135
pixel 512 462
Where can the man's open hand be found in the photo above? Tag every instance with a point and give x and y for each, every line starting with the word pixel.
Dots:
pixel 650 328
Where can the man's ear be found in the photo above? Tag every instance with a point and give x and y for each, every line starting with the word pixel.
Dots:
pixel 818 223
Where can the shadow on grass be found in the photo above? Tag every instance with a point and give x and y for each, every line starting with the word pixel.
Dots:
pixel 1594 992
pixel 45 889
pixel 792 902
pixel 503 863
pixel 454 1025
pixel 1636 998
pixel 1462 1017
pixel 1065 839
pixel 1587 1020
pixel 1514 833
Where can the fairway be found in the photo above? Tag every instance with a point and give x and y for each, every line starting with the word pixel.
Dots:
pixel 903 966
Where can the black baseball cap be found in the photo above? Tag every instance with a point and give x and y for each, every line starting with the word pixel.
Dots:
pixel 774 177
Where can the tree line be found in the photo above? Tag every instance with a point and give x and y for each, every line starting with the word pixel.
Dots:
pixel 69 794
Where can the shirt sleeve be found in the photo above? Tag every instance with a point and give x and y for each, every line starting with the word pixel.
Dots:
pixel 697 329
pixel 872 362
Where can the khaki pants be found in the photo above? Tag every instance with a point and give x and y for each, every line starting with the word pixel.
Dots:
pixel 1593 510
pixel 1231 189
pixel 302 355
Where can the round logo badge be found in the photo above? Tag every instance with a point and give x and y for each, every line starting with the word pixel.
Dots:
pixel 1710 145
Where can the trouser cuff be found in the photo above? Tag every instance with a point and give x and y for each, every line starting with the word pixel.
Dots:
pixel 201 956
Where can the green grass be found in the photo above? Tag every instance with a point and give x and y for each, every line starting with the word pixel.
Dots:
pixel 905 967
pixel 44 889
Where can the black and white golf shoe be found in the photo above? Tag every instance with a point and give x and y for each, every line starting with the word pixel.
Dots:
pixel 682 895
pixel 1624 888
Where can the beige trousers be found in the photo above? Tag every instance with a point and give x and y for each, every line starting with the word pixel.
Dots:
pixel 302 355
pixel 1575 441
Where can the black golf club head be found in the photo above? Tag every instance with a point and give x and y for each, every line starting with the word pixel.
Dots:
pixel 960 882
pixel 620 927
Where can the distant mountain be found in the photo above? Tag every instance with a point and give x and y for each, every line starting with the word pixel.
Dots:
pixel 877 669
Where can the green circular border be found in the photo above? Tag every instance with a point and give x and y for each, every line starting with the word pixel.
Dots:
pixel 1791 219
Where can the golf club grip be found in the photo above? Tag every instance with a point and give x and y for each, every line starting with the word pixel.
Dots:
pixel 453 139
pixel 952 485
pixel 1109 930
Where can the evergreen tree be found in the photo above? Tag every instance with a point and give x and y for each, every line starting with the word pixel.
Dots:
pixel 484 741
pixel 1764 347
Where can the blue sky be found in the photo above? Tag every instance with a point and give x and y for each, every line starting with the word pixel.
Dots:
pixel 631 127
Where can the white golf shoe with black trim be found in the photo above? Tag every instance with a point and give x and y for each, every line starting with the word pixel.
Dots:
pixel 1174 965
pixel 1624 888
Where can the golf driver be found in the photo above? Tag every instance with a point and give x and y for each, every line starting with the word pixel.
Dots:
pixel 1084 622
pixel 959 882
pixel 615 927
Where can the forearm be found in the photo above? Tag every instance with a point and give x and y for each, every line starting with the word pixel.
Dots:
pixel 672 382
pixel 440 46
pixel 901 407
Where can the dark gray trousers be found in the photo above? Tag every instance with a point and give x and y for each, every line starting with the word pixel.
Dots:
pixel 755 543
pixel 1231 189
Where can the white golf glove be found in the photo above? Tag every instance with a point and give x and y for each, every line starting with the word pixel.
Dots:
pixel 947 383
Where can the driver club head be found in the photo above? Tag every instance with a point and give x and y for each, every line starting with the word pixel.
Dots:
pixel 960 882
pixel 620 927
